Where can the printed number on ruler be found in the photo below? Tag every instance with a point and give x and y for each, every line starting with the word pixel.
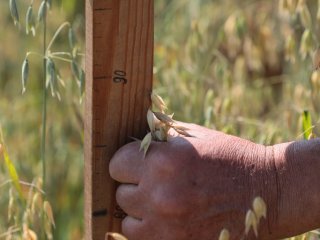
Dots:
pixel 120 77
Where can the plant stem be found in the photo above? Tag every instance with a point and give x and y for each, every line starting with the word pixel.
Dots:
pixel 60 54
pixel 66 24
pixel 35 54
pixel 44 105
pixel 44 114
pixel 61 59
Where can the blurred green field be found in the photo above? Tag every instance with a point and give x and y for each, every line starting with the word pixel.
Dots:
pixel 236 66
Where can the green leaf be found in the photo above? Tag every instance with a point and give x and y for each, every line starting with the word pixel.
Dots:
pixel 306 124
pixel 12 172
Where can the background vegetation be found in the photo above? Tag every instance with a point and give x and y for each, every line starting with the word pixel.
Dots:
pixel 243 67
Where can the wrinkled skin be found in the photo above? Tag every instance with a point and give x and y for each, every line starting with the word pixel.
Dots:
pixel 191 188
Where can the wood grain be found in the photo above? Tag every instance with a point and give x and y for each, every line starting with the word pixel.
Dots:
pixel 119 65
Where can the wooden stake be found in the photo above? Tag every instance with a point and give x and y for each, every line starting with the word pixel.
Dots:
pixel 119 65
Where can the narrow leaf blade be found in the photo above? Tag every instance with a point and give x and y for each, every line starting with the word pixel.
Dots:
pixel 306 124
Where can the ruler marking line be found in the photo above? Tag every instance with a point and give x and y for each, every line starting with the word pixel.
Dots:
pixel 100 146
pixel 100 213
pixel 102 9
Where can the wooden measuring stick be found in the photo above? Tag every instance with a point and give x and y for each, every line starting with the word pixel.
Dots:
pixel 119 65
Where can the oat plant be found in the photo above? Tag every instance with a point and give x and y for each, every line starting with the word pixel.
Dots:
pixel 52 78
pixel 31 212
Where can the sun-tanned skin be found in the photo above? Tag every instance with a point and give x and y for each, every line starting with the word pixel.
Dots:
pixel 191 188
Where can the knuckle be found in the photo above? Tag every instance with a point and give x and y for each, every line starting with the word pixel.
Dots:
pixel 116 162
pixel 162 162
pixel 129 229
pixel 120 195
pixel 168 203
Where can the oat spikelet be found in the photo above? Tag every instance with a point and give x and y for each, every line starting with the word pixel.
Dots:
pixel 36 202
pixel 316 59
pixel 312 136
pixel 151 121
pixel 28 234
pixel 251 221
pixel 115 236
pixel 305 16
pixel 259 208
pixel 39 183
pixel 10 209
pixel 224 235
pixel 145 143
pixel 48 230
pixel 158 102
pixel 14 11
pixel 48 210
pixel 160 124
pixel 166 119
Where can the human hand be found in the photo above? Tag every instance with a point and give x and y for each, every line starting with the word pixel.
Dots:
pixel 192 188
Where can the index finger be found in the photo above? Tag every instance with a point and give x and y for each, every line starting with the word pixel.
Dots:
pixel 127 163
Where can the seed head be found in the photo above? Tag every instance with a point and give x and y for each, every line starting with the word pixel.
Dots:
pixel 48 211
pixel 49 4
pixel 30 21
pixel 28 234
pixel 75 70
pixel 14 11
pixel 158 102
pixel 292 5
pixel 316 59
pixel 259 208
pixel 145 143
pixel 24 75
pixel 305 16
pixel 151 120
pixel 48 230
pixel 224 235
pixel 42 13
pixel 36 202
pixel 72 38
pixel 27 216
pixel 312 136
pixel 306 43
pixel 39 183
pixel 290 49
pixel 115 236
pixel 251 221
pixel 166 119
pixel 318 11
pixel 11 208
pixel 82 82
pixel 51 76
pixel 1 149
